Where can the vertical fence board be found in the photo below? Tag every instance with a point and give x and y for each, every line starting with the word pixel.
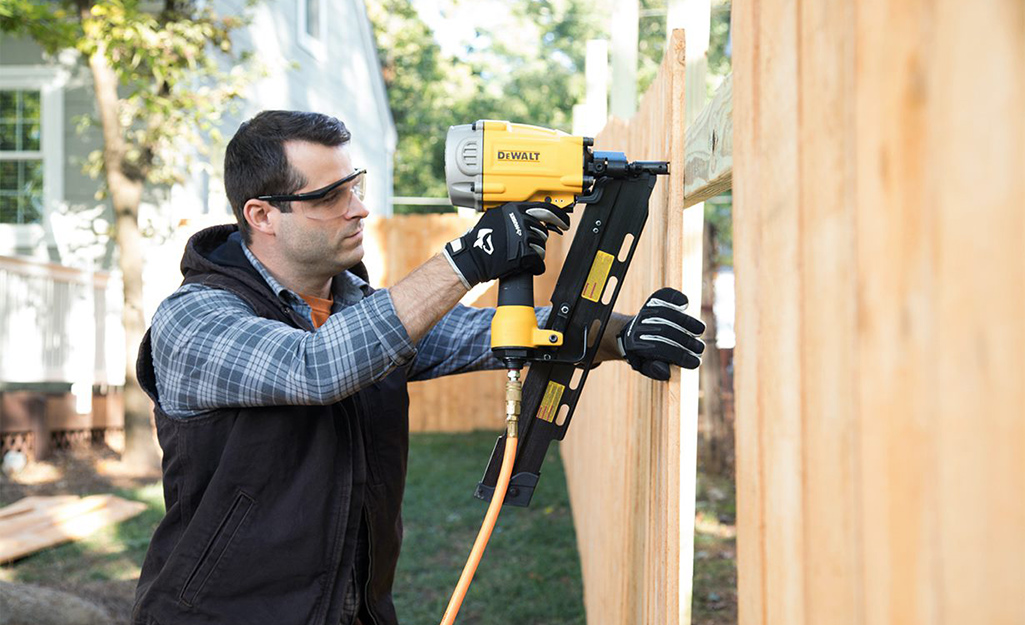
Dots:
pixel 828 312
pixel 773 316
pixel 747 93
pixel 629 457
pixel 879 186
pixel 895 288
pixel 976 182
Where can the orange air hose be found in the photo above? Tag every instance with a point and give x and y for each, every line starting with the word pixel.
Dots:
pixel 497 498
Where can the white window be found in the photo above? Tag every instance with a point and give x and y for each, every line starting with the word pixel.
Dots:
pixel 313 26
pixel 31 144
pixel 21 157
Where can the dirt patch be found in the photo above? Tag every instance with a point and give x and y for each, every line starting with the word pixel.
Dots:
pixel 80 472
pixel 72 569
pixel 715 553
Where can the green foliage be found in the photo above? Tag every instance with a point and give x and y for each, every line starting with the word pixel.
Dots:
pixel 422 90
pixel 524 63
pixel 719 210
pixel 52 26
pixel 719 217
pixel 719 64
pixel 651 42
pixel 529 70
pixel 170 65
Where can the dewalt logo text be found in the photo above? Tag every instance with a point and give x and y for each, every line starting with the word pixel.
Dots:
pixel 512 155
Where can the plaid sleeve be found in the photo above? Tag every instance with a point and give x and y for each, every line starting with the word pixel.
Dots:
pixel 210 350
pixel 460 342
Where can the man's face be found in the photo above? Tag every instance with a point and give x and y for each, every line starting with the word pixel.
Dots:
pixel 324 236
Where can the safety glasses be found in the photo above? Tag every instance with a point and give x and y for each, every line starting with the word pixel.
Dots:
pixel 329 201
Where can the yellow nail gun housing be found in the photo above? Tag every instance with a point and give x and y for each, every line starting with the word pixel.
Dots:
pixel 489 163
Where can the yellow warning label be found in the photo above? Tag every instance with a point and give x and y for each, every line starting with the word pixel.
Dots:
pixel 550 402
pixel 599 274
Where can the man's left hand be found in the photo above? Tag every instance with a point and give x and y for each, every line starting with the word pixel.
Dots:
pixel 662 333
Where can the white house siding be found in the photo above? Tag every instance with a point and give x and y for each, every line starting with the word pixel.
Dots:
pixel 341 79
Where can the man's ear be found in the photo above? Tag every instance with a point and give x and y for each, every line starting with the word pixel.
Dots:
pixel 257 214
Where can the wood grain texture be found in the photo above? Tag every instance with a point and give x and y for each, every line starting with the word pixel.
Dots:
pixel 709 148
pixel 828 313
pixel 629 456
pixel 879 183
pixel 751 540
pixel 684 243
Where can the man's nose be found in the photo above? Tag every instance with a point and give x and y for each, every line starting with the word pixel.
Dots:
pixel 357 209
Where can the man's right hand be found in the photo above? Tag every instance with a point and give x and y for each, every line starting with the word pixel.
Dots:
pixel 507 239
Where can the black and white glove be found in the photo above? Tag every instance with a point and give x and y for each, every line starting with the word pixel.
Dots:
pixel 507 239
pixel 662 333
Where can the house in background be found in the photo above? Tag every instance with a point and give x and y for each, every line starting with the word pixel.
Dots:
pixel 61 347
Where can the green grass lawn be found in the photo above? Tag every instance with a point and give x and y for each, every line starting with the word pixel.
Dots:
pixel 530 572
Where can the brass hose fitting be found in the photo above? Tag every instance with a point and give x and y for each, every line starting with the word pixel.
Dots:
pixel 513 396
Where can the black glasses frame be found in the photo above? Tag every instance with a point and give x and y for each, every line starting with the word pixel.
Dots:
pixel 318 194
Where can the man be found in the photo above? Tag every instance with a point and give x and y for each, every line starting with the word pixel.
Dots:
pixel 279 382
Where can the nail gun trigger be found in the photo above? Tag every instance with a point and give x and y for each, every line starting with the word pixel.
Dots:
pixel 548 358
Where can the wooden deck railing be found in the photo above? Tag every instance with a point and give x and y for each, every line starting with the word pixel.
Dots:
pixel 61 356
pixel 59 325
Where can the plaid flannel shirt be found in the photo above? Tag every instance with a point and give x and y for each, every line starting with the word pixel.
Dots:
pixel 211 351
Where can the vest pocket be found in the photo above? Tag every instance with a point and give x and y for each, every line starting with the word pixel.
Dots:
pixel 216 548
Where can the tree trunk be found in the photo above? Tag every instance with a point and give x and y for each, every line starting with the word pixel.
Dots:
pixel 126 193
pixel 717 446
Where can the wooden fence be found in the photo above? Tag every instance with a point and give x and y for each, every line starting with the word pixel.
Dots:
pixel 879 221
pixel 630 456
pixel 471 401
pixel 880 363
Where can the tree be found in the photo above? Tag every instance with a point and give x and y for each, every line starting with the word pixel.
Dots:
pixel 528 69
pixel 425 92
pixel 717 448
pixel 160 91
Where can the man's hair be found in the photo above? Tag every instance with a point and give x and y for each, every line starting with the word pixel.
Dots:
pixel 255 162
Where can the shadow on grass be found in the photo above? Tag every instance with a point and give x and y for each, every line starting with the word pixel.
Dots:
pixel 103 567
pixel 529 574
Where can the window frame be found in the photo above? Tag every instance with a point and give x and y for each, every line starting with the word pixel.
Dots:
pixel 315 45
pixel 50 82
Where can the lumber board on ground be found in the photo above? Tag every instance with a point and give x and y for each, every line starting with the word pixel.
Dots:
pixel 35 523
pixel 46 514
pixel 27 504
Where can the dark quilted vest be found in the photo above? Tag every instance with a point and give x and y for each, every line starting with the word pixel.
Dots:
pixel 264 504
